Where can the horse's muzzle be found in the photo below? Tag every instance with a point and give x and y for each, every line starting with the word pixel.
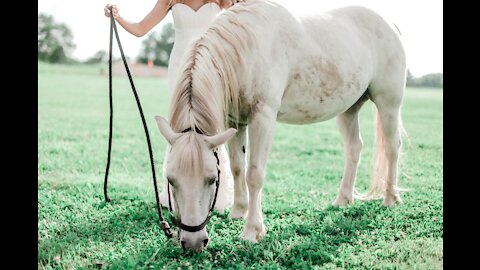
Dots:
pixel 196 245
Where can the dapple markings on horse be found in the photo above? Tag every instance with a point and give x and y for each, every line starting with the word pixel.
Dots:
pixel 258 64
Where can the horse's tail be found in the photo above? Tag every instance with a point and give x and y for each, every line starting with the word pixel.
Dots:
pixel 379 173
pixel 380 163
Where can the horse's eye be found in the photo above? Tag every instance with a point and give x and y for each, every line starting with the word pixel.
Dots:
pixel 212 180
pixel 171 181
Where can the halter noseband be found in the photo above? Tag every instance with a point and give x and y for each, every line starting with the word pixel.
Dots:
pixel 178 222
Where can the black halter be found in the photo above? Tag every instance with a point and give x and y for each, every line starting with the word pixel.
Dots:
pixel 178 222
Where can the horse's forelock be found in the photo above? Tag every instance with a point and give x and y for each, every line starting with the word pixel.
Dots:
pixel 188 153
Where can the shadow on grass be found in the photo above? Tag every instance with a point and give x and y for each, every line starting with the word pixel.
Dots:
pixel 314 239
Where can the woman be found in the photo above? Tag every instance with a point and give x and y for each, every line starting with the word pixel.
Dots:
pixel 190 19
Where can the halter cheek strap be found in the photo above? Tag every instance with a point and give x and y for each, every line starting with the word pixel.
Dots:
pixel 178 222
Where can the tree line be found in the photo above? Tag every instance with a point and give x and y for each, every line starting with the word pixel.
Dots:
pixel 55 44
pixel 429 80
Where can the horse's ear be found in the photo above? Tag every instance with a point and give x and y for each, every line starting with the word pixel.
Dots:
pixel 220 138
pixel 166 130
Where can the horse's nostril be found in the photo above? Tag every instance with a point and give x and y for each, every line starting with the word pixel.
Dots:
pixel 183 244
pixel 205 242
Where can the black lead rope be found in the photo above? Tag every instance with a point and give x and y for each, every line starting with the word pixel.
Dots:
pixel 113 27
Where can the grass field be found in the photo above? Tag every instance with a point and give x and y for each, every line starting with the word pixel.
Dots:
pixel 78 230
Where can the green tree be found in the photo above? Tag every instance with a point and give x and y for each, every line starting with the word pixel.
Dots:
pixel 55 40
pixel 432 80
pixel 411 80
pixel 99 57
pixel 158 47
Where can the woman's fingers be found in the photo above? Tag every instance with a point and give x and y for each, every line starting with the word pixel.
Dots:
pixel 114 9
pixel 107 10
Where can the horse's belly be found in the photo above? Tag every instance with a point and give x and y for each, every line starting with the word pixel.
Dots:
pixel 304 104
pixel 308 111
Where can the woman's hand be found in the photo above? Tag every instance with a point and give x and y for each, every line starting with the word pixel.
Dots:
pixel 141 28
pixel 114 9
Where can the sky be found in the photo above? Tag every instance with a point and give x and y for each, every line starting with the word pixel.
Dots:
pixel 420 21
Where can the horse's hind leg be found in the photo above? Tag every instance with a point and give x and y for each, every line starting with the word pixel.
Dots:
pixel 236 146
pixel 388 141
pixel 347 123
pixel 225 190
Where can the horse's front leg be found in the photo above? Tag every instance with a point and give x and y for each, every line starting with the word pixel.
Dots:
pixel 236 147
pixel 260 133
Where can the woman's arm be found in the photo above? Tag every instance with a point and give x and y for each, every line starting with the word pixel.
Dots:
pixel 139 29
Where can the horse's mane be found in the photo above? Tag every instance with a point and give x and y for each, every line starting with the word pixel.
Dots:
pixel 208 85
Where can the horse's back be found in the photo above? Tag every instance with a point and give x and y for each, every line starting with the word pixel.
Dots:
pixel 356 31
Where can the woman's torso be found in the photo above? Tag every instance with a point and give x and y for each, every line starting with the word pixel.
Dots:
pixel 189 24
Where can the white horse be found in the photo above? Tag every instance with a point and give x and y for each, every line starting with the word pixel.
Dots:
pixel 258 64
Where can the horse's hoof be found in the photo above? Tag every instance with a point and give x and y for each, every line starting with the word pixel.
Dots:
pixel 341 201
pixel 222 205
pixel 220 210
pixel 391 200
pixel 252 235
pixel 238 212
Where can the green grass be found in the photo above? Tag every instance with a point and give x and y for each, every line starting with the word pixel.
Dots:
pixel 78 230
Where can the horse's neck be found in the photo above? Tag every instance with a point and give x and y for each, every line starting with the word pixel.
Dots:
pixel 218 67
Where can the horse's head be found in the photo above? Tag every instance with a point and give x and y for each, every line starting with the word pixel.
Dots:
pixel 192 172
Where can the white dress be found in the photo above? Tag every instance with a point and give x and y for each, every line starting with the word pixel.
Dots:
pixel 189 25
